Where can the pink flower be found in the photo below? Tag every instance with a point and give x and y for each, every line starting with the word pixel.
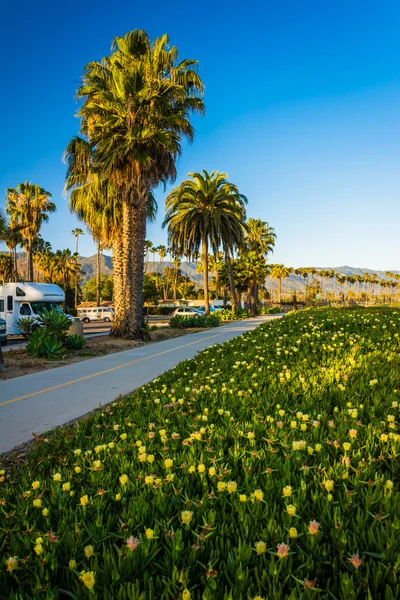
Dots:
pixel 355 561
pixel 313 528
pixel 132 543
pixel 283 550
pixel 331 424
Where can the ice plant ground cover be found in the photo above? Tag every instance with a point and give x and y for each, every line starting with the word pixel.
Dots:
pixel 267 467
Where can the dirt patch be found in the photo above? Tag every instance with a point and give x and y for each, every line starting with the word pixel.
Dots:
pixel 18 363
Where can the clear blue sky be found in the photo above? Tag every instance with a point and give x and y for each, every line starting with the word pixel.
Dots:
pixel 303 111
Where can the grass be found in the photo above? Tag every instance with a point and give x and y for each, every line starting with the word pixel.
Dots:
pixel 267 467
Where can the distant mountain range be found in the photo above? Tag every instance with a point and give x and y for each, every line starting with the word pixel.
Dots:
pixel 291 284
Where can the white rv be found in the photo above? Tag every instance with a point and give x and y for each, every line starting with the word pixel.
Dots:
pixel 19 300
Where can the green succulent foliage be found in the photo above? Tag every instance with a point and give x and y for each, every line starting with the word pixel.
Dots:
pixel 229 315
pixel 302 411
pixel 42 344
pixel 27 325
pixel 57 323
pixel 75 342
pixel 182 322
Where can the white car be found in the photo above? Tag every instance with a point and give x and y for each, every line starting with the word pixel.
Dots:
pixel 187 311
pixel 96 313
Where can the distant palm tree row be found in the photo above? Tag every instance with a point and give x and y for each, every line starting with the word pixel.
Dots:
pixel 366 284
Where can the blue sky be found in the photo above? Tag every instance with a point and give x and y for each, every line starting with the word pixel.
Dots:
pixel 302 112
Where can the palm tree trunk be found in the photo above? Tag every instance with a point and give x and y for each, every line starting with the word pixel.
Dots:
pixel 134 237
pixel 279 289
pixel 15 264
pixel 98 275
pixel 225 296
pixel 118 292
pixel 232 286
pixel 204 249
pixel 76 278
pixel 30 261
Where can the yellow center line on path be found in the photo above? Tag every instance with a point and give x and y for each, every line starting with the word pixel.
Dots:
pixel 132 362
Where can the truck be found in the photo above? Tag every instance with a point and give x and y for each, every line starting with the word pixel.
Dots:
pixel 22 300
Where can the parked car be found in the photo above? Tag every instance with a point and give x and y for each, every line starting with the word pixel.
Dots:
pixel 213 309
pixel 187 311
pixel 3 332
pixel 96 313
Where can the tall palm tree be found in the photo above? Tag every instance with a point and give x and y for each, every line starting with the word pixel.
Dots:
pixel 260 239
pixel 206 211
pixel 279 272
pixel 136 109
pixel 28 206
pixel 76 233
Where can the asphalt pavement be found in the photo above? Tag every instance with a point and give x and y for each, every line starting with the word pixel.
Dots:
pixel 40 401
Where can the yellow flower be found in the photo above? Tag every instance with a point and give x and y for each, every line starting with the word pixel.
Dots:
pixel 211 471
pixel 72 564
pixel 89 551
pixel 78 451
pixel 303 427
pixel 96 465
pixel 329 484
pixel 221 486
pixel 149 479
pixel 384 437
pixel 318 447
pixel 310 450
pixel 38 549
pixel 346 446
pixel 138 443
pixel 118 496
pixel 251 435
pixel 353 433
pixel 168 463
pixel 329 497
pixel 36 485
pixel 77 469
pixel 293 532
pixel 293 424
pixel 12 563
pixel 45 512
pixel 149 533
pixel 186 595
pixel 201 468
pixel 123 436
pixel 84 500
pixel 287 490
pixel 257 495
pixel 389 484
pixel 37 503
pixel 192 469
pixel 142 449
pixel 88 579
pixel 150 458
pixel 123 479
pixel 291 510
pixel 260 547
pixel 66 486
pixel 57 477
pixel 39 540
pixel 231 486
pixel 143 457
pixel 242 498
pixel 345 475
pixel 187 516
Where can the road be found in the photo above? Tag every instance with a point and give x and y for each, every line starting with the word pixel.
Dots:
pixel 41 401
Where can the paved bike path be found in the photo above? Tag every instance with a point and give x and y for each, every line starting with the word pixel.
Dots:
pixel 41 401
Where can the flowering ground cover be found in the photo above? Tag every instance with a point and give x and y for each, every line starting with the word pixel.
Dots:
pixel 267 467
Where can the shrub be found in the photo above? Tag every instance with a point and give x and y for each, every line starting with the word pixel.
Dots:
pixel 75 342
pixel 182 322
pixel 271 310
pixel 27 325
pixel 55 322
pixel 42 344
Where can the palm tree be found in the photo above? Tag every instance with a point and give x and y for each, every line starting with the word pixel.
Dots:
pixel 279 272
pixel 260 239
pixel 206 211
pixel 136 110
pixel 76 233
pixel 28 206
pixel 148 247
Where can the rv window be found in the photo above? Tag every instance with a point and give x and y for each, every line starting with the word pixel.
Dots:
pixel 1 305
pixel 19 292
pixel 25 309
pixel 9 303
